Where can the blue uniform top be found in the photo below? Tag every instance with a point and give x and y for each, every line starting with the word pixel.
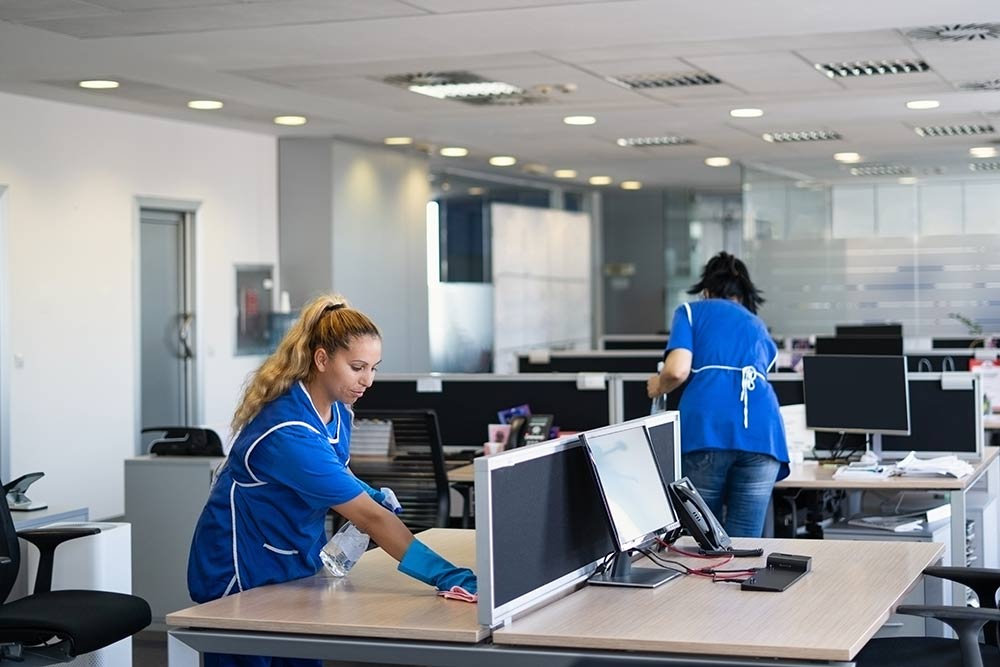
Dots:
pixel 728 403
pixel 265 518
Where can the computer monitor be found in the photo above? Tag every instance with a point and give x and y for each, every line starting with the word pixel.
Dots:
pixel 857 394
pixel 860 345
pixel 891 330
pixel 634 496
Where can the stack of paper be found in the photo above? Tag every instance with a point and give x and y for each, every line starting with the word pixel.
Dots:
pixel 946 466
pixel 895 524
pixel 864 471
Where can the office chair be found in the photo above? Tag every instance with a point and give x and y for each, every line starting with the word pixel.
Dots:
pixel 417 474
pixel 967 622
pixel 49 626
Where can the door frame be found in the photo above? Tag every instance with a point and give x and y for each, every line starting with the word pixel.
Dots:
pixel 5 348
pixel 188 209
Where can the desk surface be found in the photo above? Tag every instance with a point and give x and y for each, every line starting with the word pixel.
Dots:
pixel 463 474
pixel 374 600
pixel 827 615
pixel 814 476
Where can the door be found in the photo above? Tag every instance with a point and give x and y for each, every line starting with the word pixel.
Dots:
pixel 166 320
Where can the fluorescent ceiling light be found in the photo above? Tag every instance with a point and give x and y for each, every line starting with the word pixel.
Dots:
pixel 599 180
pixel 848 158
pixel 454 151
pixel 983 151
pixel 460 90
pixel 666 140
pixel 564 173
pixel 746 113
pixel 718 161
pixel 579 120
pixel 923 104
pixel 503 160
pixel 205 105
pixel 99 84
pixel 805 135
pixel 631 185
pixel 397 141
pixel 290 120
pixel 907 180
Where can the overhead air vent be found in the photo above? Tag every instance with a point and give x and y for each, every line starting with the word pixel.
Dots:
pixel 644 142
pixel 988 84
pixel 969 130
pixel 881 170
pixel 807 135
pixel 675 80
pixel 984 166
pixel 872 68
pixel 463 86
pixel 957 32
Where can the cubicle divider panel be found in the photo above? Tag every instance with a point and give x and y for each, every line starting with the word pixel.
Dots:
pixel 939 360
pixel 634 342
pixel 593 361
pixel 466 403
pixel 541 527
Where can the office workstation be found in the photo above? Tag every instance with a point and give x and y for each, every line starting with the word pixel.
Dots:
pixel 534 560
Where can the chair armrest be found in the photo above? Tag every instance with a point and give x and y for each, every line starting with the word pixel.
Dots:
pixel 983 581
pixel 47 539
pixel 965 621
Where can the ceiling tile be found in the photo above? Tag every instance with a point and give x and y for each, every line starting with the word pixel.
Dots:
pixel 222 17
pixel 22 11
pixel 140 5
pixel 767 72
pixel 446 6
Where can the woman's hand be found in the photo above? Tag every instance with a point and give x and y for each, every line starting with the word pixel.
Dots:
pixel 653 386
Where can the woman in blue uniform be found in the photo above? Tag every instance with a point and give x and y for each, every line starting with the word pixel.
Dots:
pixel 265 518
pixel 732 436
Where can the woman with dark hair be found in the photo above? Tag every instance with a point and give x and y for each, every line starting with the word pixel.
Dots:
pixel 733 439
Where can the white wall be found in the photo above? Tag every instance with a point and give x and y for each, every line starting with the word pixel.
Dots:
pixel 73 175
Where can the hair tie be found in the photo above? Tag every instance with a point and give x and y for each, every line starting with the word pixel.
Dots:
pixel 334 306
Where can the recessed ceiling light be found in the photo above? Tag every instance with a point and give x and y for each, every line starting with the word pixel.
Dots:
pixel 503 160
pixel 564 173
pixel 579 120
pixel 478 89
pixel 290 120
pixel 746 113
pixel 847 157
pixel 983 151
pixel 907 180
pixel 599 180
pixel 666 140
pixel 631 185
pixel 923 104
pixel 99 84
pixel 454 151
pixel 475 190
pixel 205 105
pixel 718 161
pixel 397 141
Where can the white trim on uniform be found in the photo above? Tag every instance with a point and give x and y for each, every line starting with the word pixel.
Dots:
pixel 334 440
pixel 283 552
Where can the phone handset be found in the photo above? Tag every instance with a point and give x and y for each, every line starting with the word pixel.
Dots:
pixel 701 523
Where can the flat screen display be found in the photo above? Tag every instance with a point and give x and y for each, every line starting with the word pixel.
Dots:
pixel 856 394
pixel 630 482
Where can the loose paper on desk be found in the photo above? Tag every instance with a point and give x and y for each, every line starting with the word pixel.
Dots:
pixel 799 438
pixel 941 466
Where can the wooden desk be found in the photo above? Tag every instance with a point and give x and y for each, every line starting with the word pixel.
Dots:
pixel 829 614
pixel 378 615
pixel 814 476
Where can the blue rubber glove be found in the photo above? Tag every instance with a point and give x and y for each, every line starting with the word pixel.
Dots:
pixel 384 497
pixel 421 563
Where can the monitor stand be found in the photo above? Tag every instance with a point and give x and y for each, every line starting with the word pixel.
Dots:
pixel 622 574
pixel 873 450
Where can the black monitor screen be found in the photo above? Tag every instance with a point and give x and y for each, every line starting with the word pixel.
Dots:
pixel 639 362
pixel 465 407
pixel 941 420
pixel 858 345
pixel 666 451
pixel 892 330
pixel 856 394
pixel 633 492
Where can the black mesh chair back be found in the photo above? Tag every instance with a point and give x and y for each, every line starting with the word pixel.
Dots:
pixel 417 473
pixel 56 626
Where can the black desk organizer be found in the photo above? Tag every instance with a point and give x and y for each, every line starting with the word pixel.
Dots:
pixel 782 571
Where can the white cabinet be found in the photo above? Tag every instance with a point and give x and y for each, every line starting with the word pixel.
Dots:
pixel 164 496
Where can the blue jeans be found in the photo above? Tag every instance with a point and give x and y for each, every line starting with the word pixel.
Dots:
pixel 226 660
pixel 739 482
